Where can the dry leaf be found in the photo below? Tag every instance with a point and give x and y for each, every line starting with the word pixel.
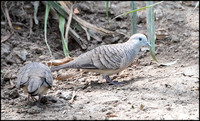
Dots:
pixel 17 28
pixel 141 107
pixel 111 115
pixel 63 76
pixel 4 38
pixel 76 11
pixel 60 61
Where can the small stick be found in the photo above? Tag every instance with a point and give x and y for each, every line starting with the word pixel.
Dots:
pixel 8 17
pixel 68 26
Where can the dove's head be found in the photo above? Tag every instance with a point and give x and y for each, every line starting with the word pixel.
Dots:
pixel 139 40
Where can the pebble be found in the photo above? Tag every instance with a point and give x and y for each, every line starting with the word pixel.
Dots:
pixel 66 95
pixel 34 109
pixel 52 99
pixel 11 94
pixel 21 54
pixel 5 50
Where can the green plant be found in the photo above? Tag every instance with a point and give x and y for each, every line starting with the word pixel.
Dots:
pixel 107 3
pixel 150 27
pixel 136 10
pixel 62 29
pixel 196 5
pixel 134 18
pixel 45 28
pixel 151 33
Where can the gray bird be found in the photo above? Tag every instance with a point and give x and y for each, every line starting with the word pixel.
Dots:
pixel 108 59
pixel 35 79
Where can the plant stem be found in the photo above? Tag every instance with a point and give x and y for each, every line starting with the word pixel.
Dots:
pixel 134 18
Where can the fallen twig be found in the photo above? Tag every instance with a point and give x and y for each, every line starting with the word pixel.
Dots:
pixel 68 26
pixel 86 31
pixel 31 25
pixel 4 38
pixel 63 76
pixel 84 23
pixel 8 16
pixel 73 96
pixel 59 61
pixel 78 39
pixel 68 3
pixel 35 4
pixel 14 23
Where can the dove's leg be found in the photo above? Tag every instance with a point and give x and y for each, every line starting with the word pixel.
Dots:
pixel 41 101
pixel 40 97
pixel 29 98
pixel 32 97
pixel 111 81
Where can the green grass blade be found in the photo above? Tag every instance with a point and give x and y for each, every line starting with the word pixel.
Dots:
pixel 136 10
pixel 45 28
pixel 168 64
pixel 151 29
pixel 134 18
pixel 196 5
pixel 107 3
pixel 151 33
pixel 62 28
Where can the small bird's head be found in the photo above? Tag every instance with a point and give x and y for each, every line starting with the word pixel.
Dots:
pixel 140 40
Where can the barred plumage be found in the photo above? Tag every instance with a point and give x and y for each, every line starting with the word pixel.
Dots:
pixel 108 59
pixel 35 79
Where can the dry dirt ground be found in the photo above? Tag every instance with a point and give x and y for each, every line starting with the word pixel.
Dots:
pixel 149 91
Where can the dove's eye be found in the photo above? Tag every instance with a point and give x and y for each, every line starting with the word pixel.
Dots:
pixel 140 39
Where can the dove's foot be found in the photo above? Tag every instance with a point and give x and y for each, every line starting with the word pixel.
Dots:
pixel 32 97
pixel 111 81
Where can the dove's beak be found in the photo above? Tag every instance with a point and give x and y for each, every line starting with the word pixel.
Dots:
pixel 147 43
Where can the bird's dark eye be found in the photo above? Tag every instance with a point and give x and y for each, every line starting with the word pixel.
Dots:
pixel 140 39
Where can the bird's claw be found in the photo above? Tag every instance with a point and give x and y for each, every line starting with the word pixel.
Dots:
pixel 111 81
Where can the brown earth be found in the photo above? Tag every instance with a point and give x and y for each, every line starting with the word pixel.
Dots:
pixel 149 91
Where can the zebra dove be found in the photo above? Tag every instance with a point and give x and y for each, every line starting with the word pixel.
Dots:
pixel 108 59
pixel 35 79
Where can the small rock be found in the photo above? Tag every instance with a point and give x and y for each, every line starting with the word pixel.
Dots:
pixel 175 39
pixel 66 95
pixel 133 106
pixel 191 71
pixel 52 99
pixel 21 110
pixel 20 53
pixel 42 57
pixel 9 59
pixel 36 49
pixel 141 107
pixel 5 50
pixel 14 94
pixel 11 94
pixel 34 110
pixel 167 85
pixel 123 30
pixel 103 109
pixel 43 100
pixel 64 112
pixel 145 49
pixel 82 80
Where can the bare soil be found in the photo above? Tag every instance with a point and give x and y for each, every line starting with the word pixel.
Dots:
pixel 149 91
